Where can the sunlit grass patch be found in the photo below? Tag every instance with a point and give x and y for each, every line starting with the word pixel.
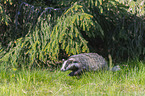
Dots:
pixel 129 81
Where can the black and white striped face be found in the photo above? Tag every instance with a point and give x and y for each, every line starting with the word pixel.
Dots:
pixel 70 64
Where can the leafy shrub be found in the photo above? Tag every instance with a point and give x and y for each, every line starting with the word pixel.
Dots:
pixel 45 35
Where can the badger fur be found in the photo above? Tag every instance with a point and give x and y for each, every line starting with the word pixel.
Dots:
pixel 85 62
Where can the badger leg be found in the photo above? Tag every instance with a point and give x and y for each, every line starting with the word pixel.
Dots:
pixel 77 72
pixel 71 74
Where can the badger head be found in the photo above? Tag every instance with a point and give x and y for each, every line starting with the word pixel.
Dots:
pixel 70 64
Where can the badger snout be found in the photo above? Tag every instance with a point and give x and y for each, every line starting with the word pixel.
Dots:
pixel 63 69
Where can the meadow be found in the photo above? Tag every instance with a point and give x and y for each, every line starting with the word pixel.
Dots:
pixel 43 32
pixel 129 81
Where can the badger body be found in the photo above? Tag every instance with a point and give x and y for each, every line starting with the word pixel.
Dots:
pixel 84 62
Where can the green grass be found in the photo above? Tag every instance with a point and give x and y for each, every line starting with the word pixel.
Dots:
pixel 130 81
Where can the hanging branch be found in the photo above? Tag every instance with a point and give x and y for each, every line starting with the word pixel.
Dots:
pixel 38 11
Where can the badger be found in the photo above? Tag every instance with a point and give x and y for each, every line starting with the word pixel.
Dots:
pixel 85 62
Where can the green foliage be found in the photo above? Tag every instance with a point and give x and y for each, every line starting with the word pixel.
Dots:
pixel 4 18
pixel 123 28
pixel 135 6
pixel 66 33
pixel 29 50
pixel 42 35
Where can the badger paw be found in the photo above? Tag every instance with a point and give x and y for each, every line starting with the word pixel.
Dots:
pixel 71 74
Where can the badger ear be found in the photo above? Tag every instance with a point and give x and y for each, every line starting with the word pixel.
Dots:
pixel 71 59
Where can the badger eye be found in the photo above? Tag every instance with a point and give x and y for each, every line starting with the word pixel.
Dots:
pixel 75 62
pixel 69 62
